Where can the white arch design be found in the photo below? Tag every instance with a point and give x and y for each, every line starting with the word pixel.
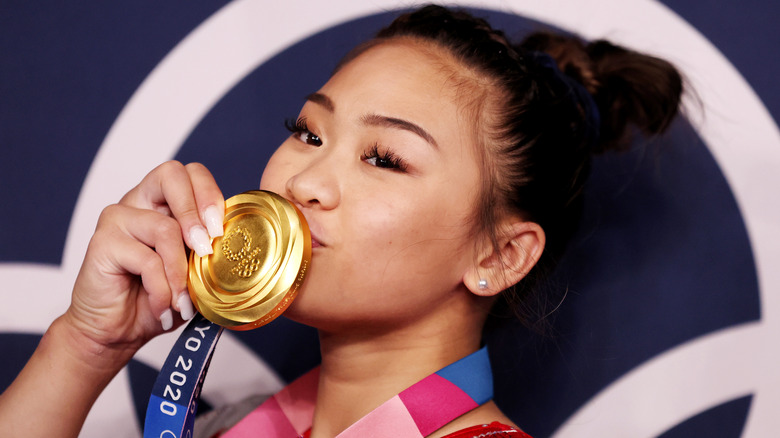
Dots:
pixel 165 109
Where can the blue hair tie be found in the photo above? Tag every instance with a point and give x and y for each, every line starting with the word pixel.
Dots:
pixel 578 93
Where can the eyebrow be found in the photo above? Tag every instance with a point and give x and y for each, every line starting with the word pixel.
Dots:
pixel 322 100
pixel 392 122
pixel 376 119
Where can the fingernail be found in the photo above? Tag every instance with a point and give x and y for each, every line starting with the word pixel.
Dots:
pixel 166 319
pixel 185 306
pixel 200 241
pixel 213 221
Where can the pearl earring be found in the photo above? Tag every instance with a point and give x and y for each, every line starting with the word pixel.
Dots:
pixel 482 284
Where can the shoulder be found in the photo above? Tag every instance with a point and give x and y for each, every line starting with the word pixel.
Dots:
pixel 492 430
pixel 489 419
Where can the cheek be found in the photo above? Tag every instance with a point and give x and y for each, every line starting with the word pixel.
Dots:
pixel 375 228
pixel 410 238
pixel 390 219
pixel 274 175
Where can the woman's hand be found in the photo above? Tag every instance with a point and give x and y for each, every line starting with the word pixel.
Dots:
pixel 135 270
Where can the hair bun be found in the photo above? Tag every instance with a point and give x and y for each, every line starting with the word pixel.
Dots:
pixel 632 90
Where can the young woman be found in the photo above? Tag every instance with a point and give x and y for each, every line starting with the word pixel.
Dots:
pixel 436 169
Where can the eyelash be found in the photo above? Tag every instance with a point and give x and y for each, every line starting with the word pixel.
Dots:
pixel 299 128
pixel 383 158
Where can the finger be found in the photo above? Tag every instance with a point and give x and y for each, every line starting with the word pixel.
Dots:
pixel 138 259
pixel 208 197
pixel 169 186
pixel 162 233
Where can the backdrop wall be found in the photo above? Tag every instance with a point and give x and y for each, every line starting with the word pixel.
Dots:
pixel 671 321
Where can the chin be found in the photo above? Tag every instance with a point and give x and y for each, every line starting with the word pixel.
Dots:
pixel 303 311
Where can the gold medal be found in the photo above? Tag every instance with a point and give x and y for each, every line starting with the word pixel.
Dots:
pixel 258 264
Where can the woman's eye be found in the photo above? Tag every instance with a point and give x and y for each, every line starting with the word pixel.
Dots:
pixel 300 131
pixel 309 138
pixel 383 159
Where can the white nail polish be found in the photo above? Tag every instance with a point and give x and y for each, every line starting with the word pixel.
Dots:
pixel 185 306
pixel 200 241
pixel 166 319
pixel 213 221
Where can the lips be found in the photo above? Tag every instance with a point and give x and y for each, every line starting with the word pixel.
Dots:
pixel 314 229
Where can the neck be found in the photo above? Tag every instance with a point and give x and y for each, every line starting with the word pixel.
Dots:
pixel 360 372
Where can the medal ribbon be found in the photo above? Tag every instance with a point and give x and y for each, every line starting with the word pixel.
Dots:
pixel 174 400
pixel 416 412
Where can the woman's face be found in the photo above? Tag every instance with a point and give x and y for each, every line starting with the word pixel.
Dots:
pixel 382 163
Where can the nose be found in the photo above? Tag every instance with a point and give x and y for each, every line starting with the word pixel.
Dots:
pixel 315 185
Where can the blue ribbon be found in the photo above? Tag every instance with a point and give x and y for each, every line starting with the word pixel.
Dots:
pixel 174 399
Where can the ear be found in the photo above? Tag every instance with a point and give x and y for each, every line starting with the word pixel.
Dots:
pixel 520 245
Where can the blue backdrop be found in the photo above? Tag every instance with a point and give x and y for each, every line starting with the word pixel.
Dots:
pixel 663 260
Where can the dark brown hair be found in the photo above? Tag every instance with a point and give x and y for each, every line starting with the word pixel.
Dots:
pixel 552 102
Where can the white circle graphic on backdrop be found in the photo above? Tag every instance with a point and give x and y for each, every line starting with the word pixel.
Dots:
pixel 165 109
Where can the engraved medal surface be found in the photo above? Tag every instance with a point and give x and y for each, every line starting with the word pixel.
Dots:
pixel 258 264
